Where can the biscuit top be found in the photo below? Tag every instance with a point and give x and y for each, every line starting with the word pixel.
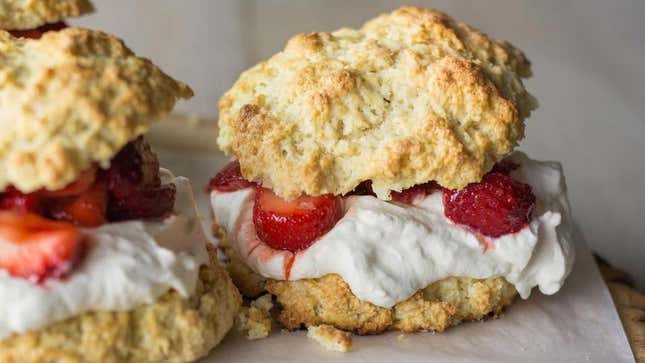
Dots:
pixel 412 96
pixel 30 14
pixel 71 99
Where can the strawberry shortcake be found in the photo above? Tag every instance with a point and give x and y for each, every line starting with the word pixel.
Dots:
pixel 374 184
pixel 30 19
pixel 102 254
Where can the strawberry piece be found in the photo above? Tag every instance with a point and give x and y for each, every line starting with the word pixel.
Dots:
pixel 143 204
pixel 15 200
pixel 230 179
pixel 504 167
pixel 38 32
pixel 87 210
pixel 78 187
pixel 364 188
pixel 35 248
pixel 496 206
pixel 408 196
pixel 135 167
pixel 293 225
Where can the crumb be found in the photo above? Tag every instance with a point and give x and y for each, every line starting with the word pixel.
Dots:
pixel 331 338
pixel 401 337
pixel 264 302
pixel 253 322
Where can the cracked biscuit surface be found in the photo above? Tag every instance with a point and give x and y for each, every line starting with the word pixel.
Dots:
pixel 30 14
pixel 71 99
pixel 410 97
pixel 174 329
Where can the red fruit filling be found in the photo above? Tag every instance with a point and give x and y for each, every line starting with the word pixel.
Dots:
pixel 87 209
pixel 496 206
pixel 408 196
pixel 130 189
pixel 38 32
pixel 36 248
pixel 364 188
pixel 229 179
pixel 293 225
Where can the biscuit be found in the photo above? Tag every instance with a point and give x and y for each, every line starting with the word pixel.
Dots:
pixel 330 338
pixel 174 329
pixel 410 97
pixel 445 303
pixel 73 98
pixel 23 15
pixel 329 301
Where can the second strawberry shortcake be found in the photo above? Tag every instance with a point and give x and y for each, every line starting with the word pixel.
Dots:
pixel 375 186
pixel 102 254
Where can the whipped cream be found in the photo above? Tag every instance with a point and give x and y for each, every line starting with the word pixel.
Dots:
pixel 127 264
pixel 387 251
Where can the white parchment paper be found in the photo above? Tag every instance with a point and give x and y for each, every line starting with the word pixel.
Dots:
pixel 578 324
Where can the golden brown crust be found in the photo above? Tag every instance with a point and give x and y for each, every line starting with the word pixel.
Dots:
pixel 70 99
pixel 30 14
pixel 445 303
pixel 173 329
pixel 410 97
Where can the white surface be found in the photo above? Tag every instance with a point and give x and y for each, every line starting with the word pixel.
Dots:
pixel 589 71
pixel 578 324
pixel 127 264
pixel 386 252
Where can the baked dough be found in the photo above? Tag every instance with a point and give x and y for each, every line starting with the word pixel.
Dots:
pixel 30 14
pixel 173 329
pixel 410 97
pixel 71 99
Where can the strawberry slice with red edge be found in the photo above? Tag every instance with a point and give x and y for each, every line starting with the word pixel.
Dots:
pixel 230 179
pixel 496 206
pixel 36 248
pixel 293 225
pixel 88 209
pixel 15 200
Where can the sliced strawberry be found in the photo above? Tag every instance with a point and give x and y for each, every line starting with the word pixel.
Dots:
pixel 364 188
pixel 38 32
pixel 230 179
pixel 408 196
pixel 143 204
pixel 15 200
pixel 87 210
pixel 496 206
pixel 78 187
pixel 36 248
pixel 293 225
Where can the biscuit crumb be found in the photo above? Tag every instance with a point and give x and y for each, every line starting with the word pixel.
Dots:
pixel 264 302
pixel 401 337
pixel 331 338
pixel 253 322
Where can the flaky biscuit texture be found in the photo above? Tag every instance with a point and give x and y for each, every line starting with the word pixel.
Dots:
pixel 70 99
pixel 174 329
pixel 30 14
pixel 410 97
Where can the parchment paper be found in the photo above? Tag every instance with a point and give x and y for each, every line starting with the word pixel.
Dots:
pixel 578 324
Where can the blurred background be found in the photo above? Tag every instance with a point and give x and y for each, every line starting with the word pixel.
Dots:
pixel 589 76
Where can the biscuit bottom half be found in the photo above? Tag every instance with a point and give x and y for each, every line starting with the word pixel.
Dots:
pixel 174 329
pixel 329 300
